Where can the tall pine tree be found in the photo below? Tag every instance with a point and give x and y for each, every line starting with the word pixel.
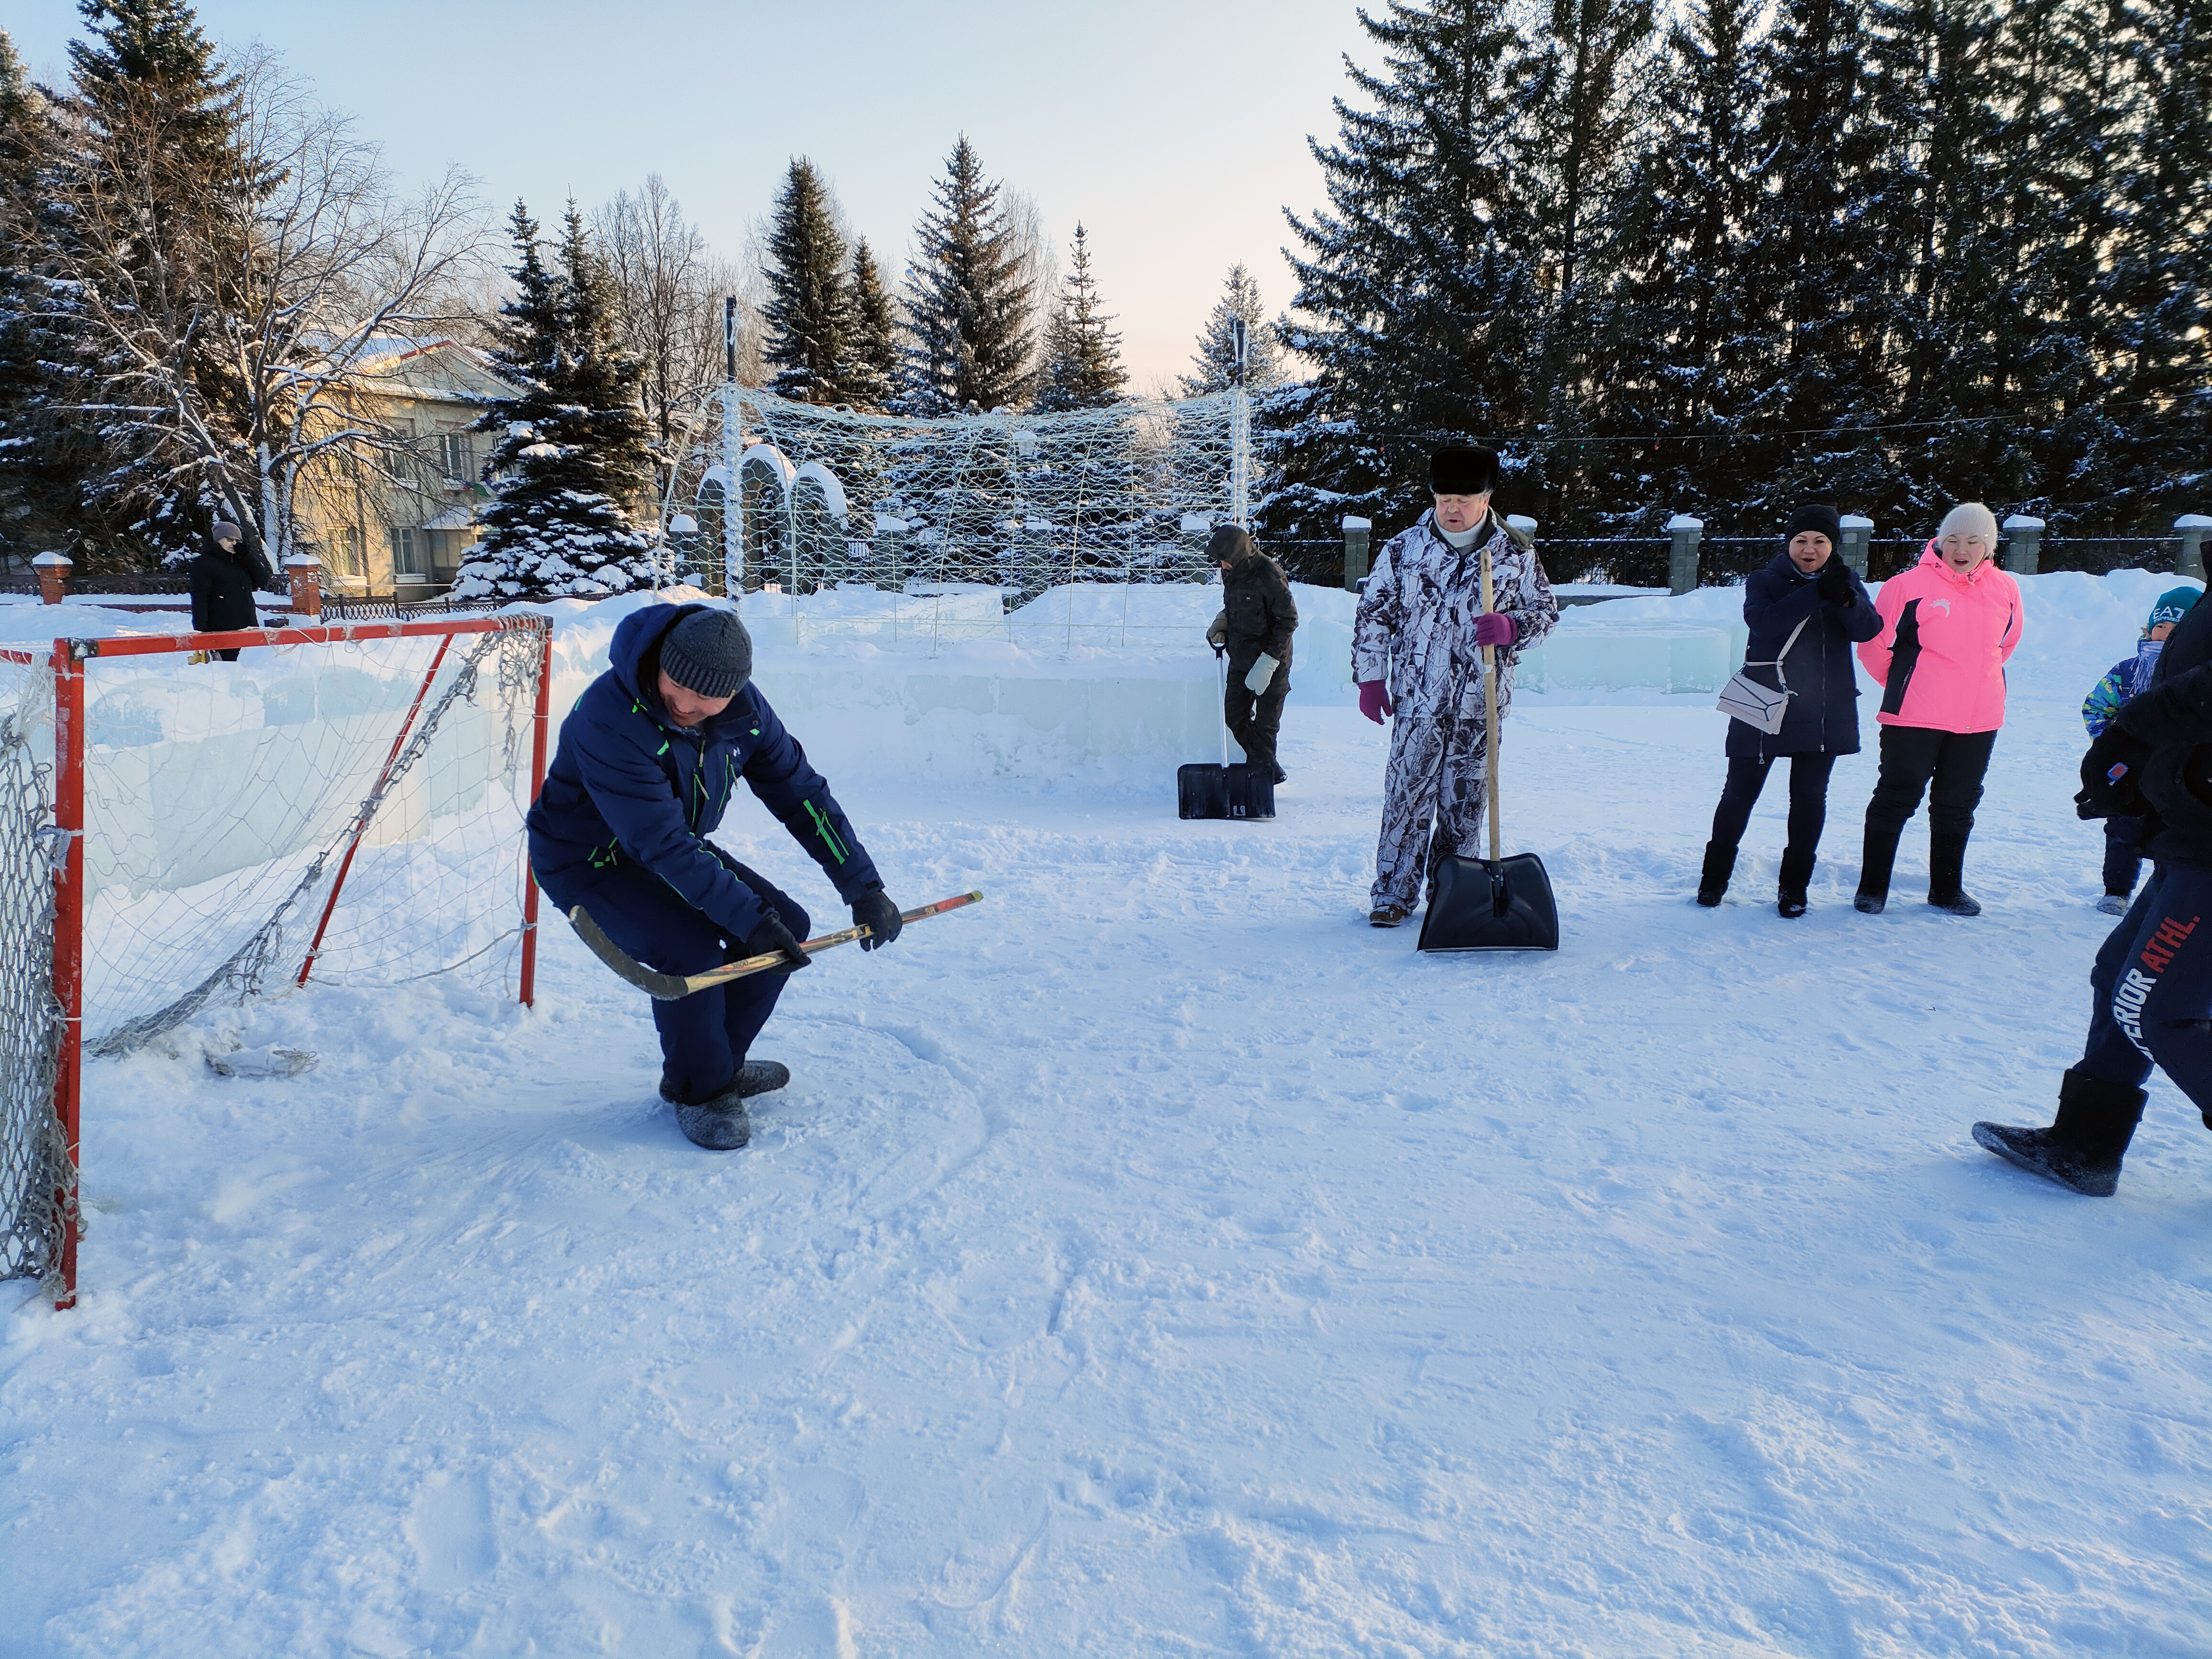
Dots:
pixel 1419 295
pixel 871 373
pixel 810 311
pixel 1082 355
pixel 968 304
pixel 42 455
pixel 570 454
pixel 1213 365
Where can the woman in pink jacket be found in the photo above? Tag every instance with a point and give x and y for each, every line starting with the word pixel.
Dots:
pixel 1947 626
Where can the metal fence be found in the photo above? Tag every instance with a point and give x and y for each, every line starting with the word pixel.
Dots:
pixel 345 607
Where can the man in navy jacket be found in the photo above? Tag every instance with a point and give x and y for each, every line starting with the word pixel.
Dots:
pixel 648 760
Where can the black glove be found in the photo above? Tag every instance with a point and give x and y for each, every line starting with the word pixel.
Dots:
pixel 2111 776
pixel 874 911
pixel 1835 583
pixel 773 935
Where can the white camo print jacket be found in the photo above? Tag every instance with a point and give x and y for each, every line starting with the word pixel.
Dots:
pixel 1415 625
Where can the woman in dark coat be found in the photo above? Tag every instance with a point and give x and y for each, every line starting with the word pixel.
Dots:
pixel 1807 583
pixel 224 578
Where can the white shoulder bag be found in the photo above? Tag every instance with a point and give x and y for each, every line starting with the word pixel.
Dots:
pixel 1744 699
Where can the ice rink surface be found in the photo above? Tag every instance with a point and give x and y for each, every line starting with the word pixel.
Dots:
pixel 1158 1260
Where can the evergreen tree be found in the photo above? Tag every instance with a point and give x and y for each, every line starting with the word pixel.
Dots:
pixel 1422 295
pixel 968 304
pixel 157 122
pixel 42 455
pixel 571 454
pixel 871 371
pixel 1215 363
pixel 810 310
pixel 1082 357
pixel 1683 356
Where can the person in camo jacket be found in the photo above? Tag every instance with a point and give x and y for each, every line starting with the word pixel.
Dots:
pixel 2124 680
pixel 1416 656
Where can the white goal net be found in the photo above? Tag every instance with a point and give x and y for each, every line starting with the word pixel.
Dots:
pixel 802 497
pixel 343 806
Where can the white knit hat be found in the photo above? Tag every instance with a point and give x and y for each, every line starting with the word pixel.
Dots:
pixel 1971 519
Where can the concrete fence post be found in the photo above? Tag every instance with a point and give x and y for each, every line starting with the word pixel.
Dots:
pixel 1356 532
pixel 2191 527
pixel 1857 532
pixel 53 570
pixel 1527 526
pixel 1683 534
pixel 2023 544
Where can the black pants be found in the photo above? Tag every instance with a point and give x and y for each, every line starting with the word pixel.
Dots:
pixel 2151 990
pixel 1912 757
pixel 1254 721
pixel 704 1037
pixel 2122 860
pixel 1808 798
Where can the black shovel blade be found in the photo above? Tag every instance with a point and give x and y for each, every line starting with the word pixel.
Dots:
pixel 1202 791
pixel 1482 904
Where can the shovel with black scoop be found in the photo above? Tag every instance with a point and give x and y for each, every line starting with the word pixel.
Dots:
pixel 671 987
pixel 1204 790
pixel 1495 903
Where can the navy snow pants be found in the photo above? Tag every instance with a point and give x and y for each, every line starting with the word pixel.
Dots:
pixel 2150 994
pixel 704 1037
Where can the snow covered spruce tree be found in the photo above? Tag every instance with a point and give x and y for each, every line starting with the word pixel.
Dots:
pixel 1683 354
pixel 1082 355
pixel 1213 364
pixel 570 454
pixel 871 360
pixel 1419 297
pixel 810 311
pixel 968 342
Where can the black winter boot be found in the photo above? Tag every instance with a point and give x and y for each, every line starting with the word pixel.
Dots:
pixel 2083 1149
pixel 1946 866
pixel 1797 871
pixel 719 1125
pixel 1875 862
pixel 1713 879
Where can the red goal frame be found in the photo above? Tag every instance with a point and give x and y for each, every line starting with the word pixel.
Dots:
pixel 69 658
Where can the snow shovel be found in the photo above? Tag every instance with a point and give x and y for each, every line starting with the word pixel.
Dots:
pixel 1204 790
pixel 1495 903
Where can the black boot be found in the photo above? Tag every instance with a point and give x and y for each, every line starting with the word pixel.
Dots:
pixel 1713 879
pixel 1797 871
pixel 1875 863
pixel 2083 1149
pixel 1947 866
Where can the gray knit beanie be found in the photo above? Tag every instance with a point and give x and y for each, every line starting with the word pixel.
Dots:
pixel 709 652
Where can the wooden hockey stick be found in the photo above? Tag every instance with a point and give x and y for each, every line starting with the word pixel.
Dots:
pixel 671 987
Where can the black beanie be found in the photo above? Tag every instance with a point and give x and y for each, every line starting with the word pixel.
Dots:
pixel 1229 544
pixel 1463 469
pixel 1822 520
pixel 709 652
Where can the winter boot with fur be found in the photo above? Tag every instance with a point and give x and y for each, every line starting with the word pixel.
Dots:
pixel 1947 867
pixel 1797 871
pixel 1713 879
pixel 1875 865
pixel 2083 1149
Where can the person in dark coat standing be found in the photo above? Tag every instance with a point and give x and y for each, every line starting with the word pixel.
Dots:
pixel 649 759
pixel 1258 616
pixel 224 578
pixel 1807 591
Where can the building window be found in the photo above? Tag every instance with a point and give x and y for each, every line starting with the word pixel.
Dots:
pixel 453 453
pixel 406 553
pixel 352 551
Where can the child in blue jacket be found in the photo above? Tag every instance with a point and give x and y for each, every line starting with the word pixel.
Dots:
pixel 2123 680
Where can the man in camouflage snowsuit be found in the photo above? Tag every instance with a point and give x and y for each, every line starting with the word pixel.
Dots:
pixel 1416 655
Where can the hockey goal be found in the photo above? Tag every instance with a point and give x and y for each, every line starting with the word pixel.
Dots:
pixel 340 805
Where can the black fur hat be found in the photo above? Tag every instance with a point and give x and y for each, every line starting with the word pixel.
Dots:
pixel 1463 469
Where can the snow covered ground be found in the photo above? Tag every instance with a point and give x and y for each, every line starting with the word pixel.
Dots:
pixel 1156 1259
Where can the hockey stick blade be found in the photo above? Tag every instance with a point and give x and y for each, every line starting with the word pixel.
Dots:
pixel 671 988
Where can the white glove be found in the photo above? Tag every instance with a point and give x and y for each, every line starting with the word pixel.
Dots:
pixel 1262 675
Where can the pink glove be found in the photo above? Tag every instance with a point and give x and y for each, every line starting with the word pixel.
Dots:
pixel 1374 700
pixel 1496 628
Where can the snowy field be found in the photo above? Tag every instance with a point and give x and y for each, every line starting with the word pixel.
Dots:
pixel 1158 1260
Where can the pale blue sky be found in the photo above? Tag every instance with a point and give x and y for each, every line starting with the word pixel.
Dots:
pixel 1173 128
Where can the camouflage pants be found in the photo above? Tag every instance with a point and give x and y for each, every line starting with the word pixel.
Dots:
pixel 1438 776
